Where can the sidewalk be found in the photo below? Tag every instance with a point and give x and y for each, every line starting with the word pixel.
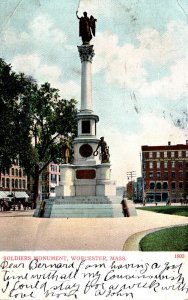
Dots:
pixel 24 232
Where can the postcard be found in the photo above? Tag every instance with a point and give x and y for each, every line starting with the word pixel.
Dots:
pixel 93 97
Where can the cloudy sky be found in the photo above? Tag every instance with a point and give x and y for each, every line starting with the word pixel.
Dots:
pixel 140 68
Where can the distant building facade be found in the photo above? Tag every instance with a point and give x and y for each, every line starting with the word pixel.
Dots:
pixel 48 180
pixel 14 181
pixel 130 189
pixel 165 172
pixel 139 189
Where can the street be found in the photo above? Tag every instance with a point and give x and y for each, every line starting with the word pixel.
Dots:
pixel 21 231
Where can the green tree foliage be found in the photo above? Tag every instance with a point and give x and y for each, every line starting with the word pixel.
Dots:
pixel 33 122
pixel 52 119
pixel 12 85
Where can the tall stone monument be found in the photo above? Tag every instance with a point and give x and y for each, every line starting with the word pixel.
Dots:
pixel 86 189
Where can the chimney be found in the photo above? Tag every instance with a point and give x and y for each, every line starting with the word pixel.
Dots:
pixel 169 143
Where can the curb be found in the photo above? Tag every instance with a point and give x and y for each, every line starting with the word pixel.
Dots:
pixel 132 243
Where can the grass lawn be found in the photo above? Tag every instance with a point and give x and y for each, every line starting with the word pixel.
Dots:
pixel 170 239
pixel 171 210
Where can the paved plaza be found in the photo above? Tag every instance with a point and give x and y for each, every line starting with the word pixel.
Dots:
pixel 21 231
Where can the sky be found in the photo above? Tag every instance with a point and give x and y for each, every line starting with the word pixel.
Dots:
pixel 139 71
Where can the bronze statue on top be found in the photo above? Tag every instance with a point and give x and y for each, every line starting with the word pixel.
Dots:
pixel 105 156
pixel 86 27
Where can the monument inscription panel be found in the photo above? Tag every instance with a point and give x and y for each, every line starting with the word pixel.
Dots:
pixel 85 174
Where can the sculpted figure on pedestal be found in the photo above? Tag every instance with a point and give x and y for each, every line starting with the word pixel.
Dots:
pixel 105 156
pixel 86 27
pixel 65 151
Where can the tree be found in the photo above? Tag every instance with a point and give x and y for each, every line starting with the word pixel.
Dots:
pixel 33 120
pixel 50 119
pixel 12 85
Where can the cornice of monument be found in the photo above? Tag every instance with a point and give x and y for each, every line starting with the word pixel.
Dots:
pixel 83 116
pixel 86 52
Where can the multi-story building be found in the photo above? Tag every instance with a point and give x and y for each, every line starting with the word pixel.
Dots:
pixel 165 172
pixel 49 179
pixel 135 190
pixel 139 189
pixel 130 189
pixel 14 181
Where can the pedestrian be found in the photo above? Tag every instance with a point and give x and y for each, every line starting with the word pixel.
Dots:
pixel 1 204
pixel 19 205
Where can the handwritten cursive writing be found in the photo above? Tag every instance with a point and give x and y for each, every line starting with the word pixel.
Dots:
pixel 76 279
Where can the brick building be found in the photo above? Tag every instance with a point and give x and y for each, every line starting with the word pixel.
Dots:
pixel 13 182
pixel 165 172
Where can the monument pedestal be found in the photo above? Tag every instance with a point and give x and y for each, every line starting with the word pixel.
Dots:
pixel 84 192
pixel 86 189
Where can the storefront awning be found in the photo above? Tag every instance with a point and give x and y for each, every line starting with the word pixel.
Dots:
pixel 21 195
pixel 3 195
pixel 17 194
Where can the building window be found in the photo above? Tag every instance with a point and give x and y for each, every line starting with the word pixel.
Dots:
pixel 20 183
pixel 151 165
pixel 180 185
pixel 179 153
pixel 165 154
pixel 165 185
pixel 53 178
pixel 172 154
pixel 180 174
pixel 173 174
pixel 158 174
pixel 150 154
pixel 165 164
pixel 186 153
pixel 7 183
pixel 165 175
pixel 23 184
pixel 158 165
pixel 16 171
pixel 3 182
pixel 12 171
pixel 173 163
pixel 150 174
pixel 173 185
pixel 158 154
pixel 186 164
pixel 53 168
pixel 16 183
pixel 20 173
pixel 12 183
pixel 158 185
pixel 180 164
pixel 152 185
pixel 144 166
